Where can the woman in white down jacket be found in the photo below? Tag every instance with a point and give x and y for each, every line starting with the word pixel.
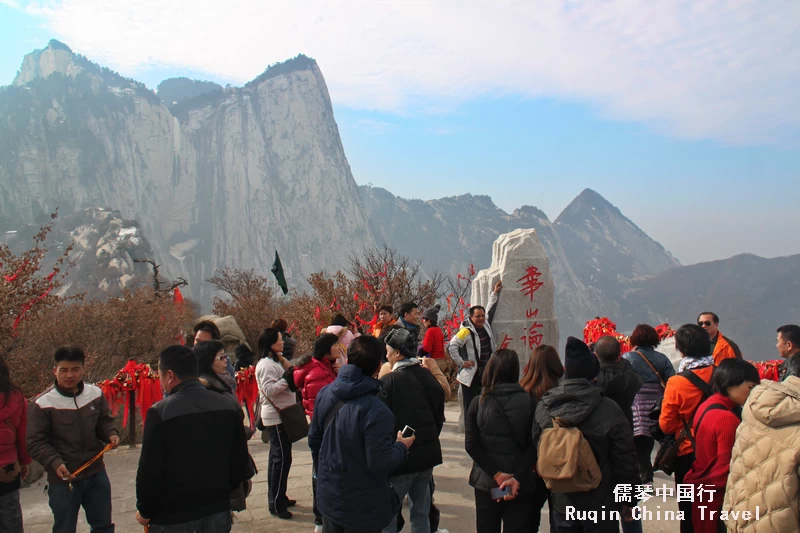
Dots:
pixel 276 387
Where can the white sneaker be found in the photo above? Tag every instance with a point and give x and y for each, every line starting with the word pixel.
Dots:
pixel 440 530
pixel 317 529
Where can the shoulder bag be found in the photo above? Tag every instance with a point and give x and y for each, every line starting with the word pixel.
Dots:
pixel 293 419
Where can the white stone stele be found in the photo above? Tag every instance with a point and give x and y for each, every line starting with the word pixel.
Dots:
pixel 667 347
pixel 512 254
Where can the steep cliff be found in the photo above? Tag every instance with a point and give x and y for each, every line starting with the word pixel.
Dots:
pixel 225 178
pixel 450 233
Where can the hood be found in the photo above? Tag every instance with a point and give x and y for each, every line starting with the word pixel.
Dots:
pixel 13 402
pixel 352 383
pixel 336 330
pixel 616 378
pixel 572 399
pixel 776 404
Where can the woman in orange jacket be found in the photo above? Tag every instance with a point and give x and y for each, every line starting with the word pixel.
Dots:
pixel 682 396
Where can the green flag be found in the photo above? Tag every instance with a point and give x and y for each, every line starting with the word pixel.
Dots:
pixel 277 269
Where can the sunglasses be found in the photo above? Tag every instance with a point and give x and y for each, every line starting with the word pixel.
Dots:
pixel 705 323
pixel 222 357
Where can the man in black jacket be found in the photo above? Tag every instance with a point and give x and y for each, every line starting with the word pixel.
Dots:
pixel 582 405
pixel 416 400
pixel 617 378
pixel 194 452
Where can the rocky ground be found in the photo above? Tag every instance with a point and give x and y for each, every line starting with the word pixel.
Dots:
pixel 453 494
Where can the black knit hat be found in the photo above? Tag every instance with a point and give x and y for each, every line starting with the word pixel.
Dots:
pixel 579 361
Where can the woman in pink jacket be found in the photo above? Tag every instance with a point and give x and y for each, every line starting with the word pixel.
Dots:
pixel 14 459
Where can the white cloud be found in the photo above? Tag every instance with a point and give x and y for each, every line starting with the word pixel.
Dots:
pixel 376 127
pixel 719 69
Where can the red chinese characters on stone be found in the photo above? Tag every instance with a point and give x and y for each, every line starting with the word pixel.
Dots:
pixel 530 281
pixel 506 341
pixel 532 336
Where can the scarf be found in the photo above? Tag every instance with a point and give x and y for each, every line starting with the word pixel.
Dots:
pixel 690 363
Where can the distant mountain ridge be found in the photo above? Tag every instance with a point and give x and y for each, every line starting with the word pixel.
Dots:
pixel 226 176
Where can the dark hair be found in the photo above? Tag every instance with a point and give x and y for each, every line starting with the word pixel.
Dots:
pixel 7 386
pixel 607 349
pixel 388 308
pixel 503 367
pixel 645 336
pixel 206 352
pixel 339 320
pixel 323 345
pixel 714 316
pixel 692 341
pixel 475 308
pixel 733 372
pixel 209 327
pixel 181 360
pixel 72 354
pixel 366 353
pixel 543 371
pixel 268 337
pixel 406 308
pixel 790 333
pixel 280 324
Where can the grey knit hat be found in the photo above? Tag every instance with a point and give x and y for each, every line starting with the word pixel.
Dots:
pixel 432 313
pixel 402 341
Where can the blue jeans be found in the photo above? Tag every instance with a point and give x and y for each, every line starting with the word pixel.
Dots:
pixel 418 488
pixel 216 523
pixel 93 494
pixel 10 513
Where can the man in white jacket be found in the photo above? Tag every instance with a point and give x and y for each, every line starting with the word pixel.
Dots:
pixel 474 344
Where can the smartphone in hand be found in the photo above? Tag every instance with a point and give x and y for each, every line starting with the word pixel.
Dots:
pixel 499 494
pixel 408 431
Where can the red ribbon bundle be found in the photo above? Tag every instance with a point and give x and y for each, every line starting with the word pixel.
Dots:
pixel 665 332
pixel 247 390
pixel 768 369
pixel 599 327
pixel 137 378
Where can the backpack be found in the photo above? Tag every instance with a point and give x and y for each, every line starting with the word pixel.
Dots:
pixel 566 462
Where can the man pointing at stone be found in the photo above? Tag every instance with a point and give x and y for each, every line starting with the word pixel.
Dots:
pixel 473 345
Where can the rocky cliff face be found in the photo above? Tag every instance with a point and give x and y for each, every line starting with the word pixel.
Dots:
pixel 450 233
pixel 105 247
pixel 607 251
pixel 225 178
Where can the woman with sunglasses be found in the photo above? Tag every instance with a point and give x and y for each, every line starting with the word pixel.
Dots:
pixel 213 364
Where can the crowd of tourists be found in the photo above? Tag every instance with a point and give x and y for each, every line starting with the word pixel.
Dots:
pixel 576 436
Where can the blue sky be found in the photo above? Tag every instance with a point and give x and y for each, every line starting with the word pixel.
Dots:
pixel 684 116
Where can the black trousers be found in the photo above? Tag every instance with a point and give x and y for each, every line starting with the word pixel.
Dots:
pixel 280 461
pixel 473 391
pixel 513 515
pixel 331 527
pixel 317 515
pixel 644 450
pixel 683 463
pixel 540 497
